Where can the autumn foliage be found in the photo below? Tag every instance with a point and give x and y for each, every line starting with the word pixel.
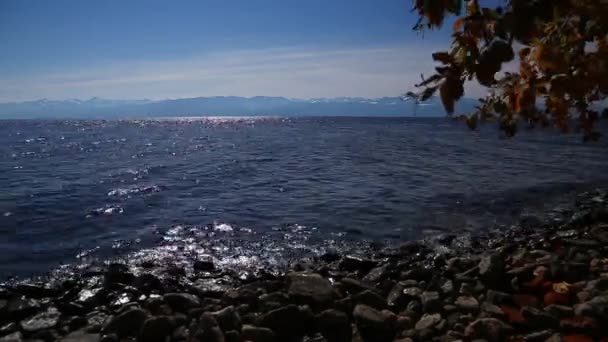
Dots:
pixel 558 51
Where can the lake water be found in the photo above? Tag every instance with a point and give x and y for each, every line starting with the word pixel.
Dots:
pixel 256 189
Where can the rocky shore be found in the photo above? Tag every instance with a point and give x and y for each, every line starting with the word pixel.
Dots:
pixel 538 281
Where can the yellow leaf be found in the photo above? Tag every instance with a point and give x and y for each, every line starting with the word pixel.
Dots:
pixel 562 288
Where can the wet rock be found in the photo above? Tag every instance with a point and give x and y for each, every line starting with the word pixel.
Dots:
pixel 118 273
pixel 81 336
pixel 370 298
pixel 96 320
pixel 559 311
pixel 181 302
pixel 492 310
pixel 37 291
pixel 373 325
pixel 9 329
pixel 156 329
pixel 209 330
pixel 14 337
pixel 431 302
pixel 71 308
pixel 127 323
pixel 228 319
pixel 351 263
pixel 538 336
pixel 596 307
pixel 148 282
pixel 490 329
pixel 497 297
pixel 400 296
pixel 232 336
pixel 447 287
pixel 467 303
pixel 43 320
pixel 76 322
pixel 257 334
pixel 286 321
pixel 309 288
pixel 21 307
pixel 354 286
pixel 334 325
pixel 377 274
pixel 538 318
pixel 491 271
pixel 428 321
pixel 110 338
pixel 204 265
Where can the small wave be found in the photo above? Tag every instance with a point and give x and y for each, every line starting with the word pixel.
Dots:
pixel 222 227
pixel 107 210
pixel 134 190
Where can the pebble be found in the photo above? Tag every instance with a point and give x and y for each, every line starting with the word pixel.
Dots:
pixel 467 303
pixel 309 288
pixel 428 321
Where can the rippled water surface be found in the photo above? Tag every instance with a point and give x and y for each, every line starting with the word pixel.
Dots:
pixel 257 189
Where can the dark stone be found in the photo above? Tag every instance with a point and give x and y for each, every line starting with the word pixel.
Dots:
pixel 353 285
pixel 428 321
pixel 77 322
pixel 43 320
pixel 538 336
pixel 330 256
pixel 497 297
pixel 351 263
pixel 181 302
pixel 492 310
pixel 14 337
pixel 232 336
pixel 81 336
pixel 400 296
pixel 156 329
pixel 110 338
pixel 377 274
pixel 96 320
pixel 127 323
pixel 209 330
pixel 370 298
pixel 228 319
pixel 467 303
pixel 9 329
pixel 37 291
pixel 20 307
pixel 334 325
pixel 118 273
pixel 447 287
pixel 287 321
pixel 257 334
pixel 204 265
pixel 147 282
pixel 373 325
pixel 491 271
pixel 431 302
pixel 538 318
pixel 490 329
pixel 559 311
pixel 273 300
pixel 309 288
pixel 71 308
pixel 596 307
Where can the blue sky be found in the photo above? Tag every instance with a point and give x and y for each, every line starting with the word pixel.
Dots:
pixel 170 49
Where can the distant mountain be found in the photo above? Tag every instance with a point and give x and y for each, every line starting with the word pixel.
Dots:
pixel 226 106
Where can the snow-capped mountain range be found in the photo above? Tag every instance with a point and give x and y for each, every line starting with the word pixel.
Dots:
pixel 226 106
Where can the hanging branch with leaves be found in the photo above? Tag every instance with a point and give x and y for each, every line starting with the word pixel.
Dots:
pixel 561 48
